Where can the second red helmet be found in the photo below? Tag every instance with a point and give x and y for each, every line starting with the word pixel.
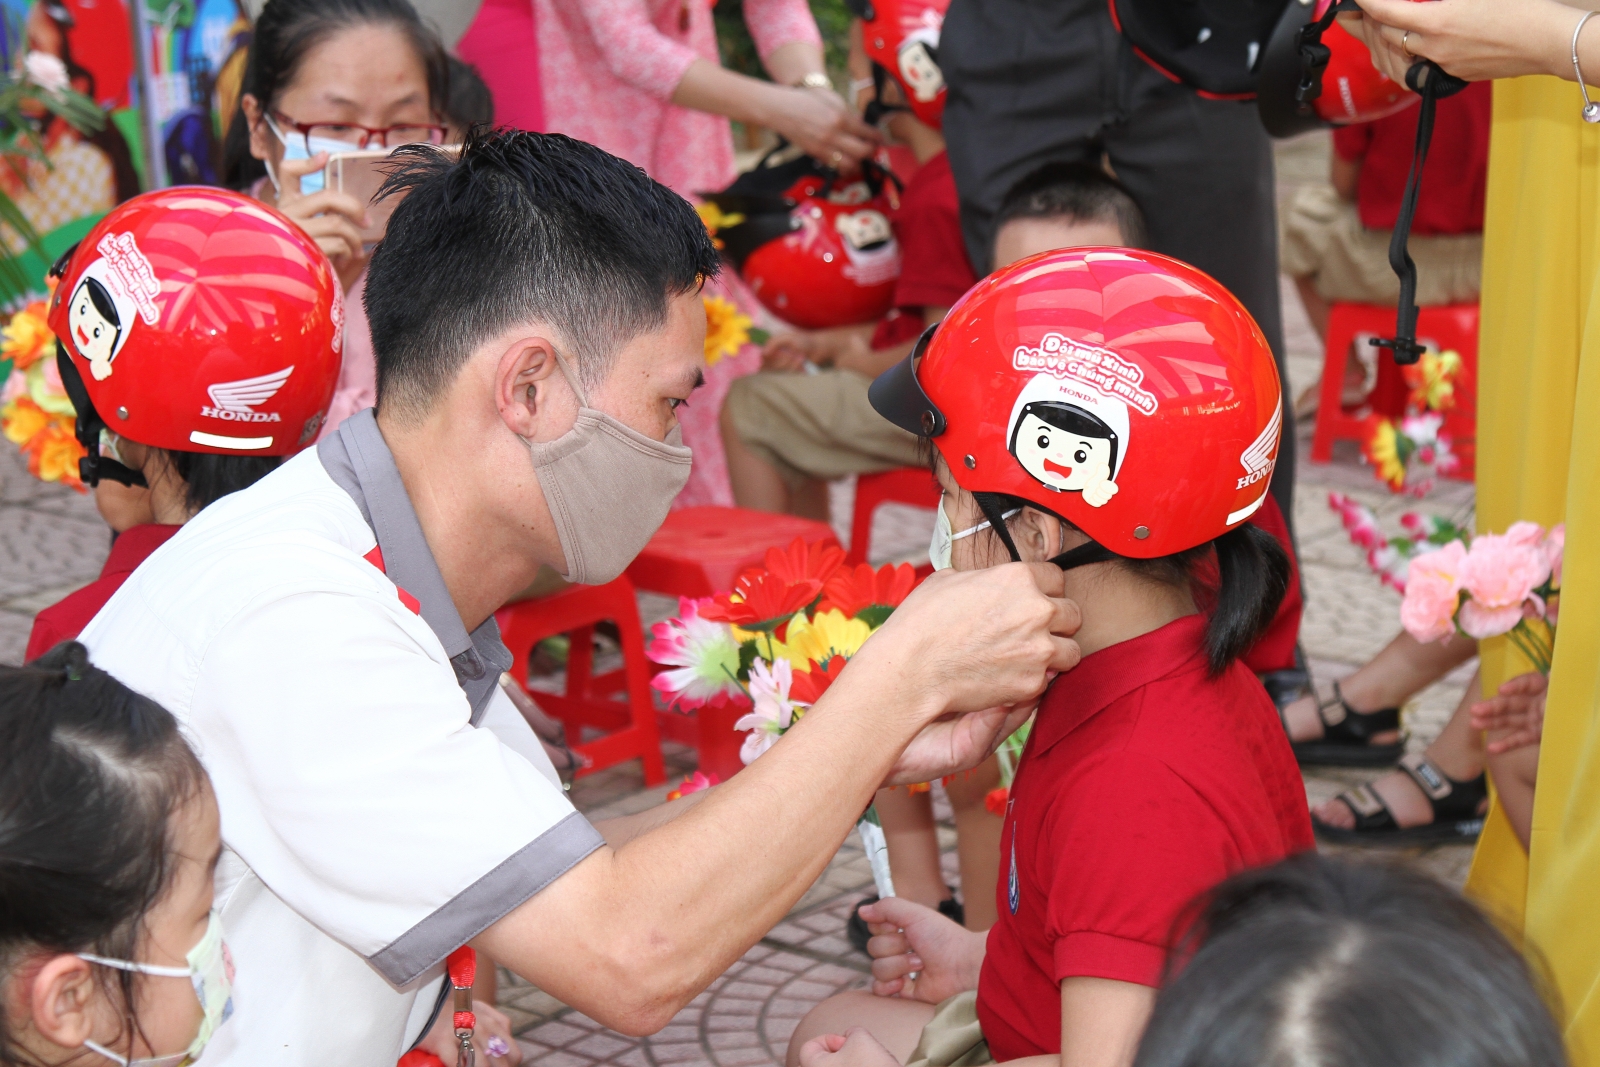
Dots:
pixel 901 37
pixel 200 320
pixel 1122 390
pixel 1349 89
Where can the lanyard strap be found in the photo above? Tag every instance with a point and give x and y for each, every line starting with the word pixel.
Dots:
pixel 462 965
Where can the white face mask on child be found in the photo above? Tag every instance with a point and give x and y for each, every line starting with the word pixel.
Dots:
pixel 943 541
pixel 210 969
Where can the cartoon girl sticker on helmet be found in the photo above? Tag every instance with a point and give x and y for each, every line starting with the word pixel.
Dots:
pixel 114 292
pixel 1070 437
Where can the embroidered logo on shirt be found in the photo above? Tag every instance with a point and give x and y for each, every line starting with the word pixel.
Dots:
pixel 236 401
pixel 1012 894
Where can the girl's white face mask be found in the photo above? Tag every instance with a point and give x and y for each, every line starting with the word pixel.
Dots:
pixel 943 541
pixel 210 969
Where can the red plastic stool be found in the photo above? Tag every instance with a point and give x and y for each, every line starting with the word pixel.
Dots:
pixel 904 485
pixel 699 551
pixel 1451 326
pixel 591 699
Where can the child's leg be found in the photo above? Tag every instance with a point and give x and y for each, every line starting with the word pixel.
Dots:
pixel 977 840
pixel 913 840
pixel 1401 669
pixel 756 483
pixel 1514 774
pixel 1316 307
pixel 896 1023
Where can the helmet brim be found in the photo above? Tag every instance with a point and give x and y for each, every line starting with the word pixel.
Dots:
pixel 898 396
pixel 1279 83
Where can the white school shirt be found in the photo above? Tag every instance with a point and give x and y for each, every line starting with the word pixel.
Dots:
pixel 369 827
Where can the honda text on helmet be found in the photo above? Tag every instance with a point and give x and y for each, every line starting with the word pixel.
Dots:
pixel 1126 392
pixel 196 320
pixel 1306 84
pixel 901 38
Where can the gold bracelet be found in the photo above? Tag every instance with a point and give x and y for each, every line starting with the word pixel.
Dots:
pixel 815 80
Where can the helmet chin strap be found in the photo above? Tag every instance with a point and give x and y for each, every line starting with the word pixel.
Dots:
pixel 1080 556
pixel 92 467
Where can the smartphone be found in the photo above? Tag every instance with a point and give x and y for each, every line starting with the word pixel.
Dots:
pixel 361 174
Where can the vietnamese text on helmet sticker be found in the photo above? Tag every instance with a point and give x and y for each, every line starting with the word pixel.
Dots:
pixel 113 293
pixel 1097 367
pixel 236 401
pixel 1070 438
pixel 336 313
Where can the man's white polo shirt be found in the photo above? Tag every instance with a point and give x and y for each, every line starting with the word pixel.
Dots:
pixel 370 827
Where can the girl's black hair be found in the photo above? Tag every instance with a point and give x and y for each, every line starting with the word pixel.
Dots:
pixel 285 31
pixel 90 776
pixel 1347 964
pixel 1071 419
pixel 211 477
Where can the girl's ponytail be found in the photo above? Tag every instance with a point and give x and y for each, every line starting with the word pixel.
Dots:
pixel 1252 578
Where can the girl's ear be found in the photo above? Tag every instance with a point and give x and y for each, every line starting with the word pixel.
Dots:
pixel 60 1001
pixel 1038 536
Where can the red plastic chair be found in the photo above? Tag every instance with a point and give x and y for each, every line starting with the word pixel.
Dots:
pixel 904 485
pixel 592 700
pixel 699 551
pixel 1452 326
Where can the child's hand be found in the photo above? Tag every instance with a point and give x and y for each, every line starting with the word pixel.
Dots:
pixel 1099 491
pixel 856 1048
pixel 1518 708
pixel 911 938
pixel 787 353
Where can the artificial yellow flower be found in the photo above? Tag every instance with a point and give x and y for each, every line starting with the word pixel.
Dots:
pixel 820 639
pixel 1382 450
pixel 727 329
pixel 715 218
pixel 24 338
pixel 1432 380
pixel 22 419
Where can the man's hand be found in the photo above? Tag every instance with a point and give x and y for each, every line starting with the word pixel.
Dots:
pixel 855 1048
pixel 911 938
pixel 493 1027
pixel 956 743
pixel 1518 708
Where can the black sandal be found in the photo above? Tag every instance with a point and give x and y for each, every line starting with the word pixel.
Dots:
pixel 1347 735
pixel 1457 818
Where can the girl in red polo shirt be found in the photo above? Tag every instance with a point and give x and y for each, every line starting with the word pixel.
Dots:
pixel 1117 413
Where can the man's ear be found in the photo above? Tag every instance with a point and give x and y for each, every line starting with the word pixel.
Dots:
pixel 524 380
pixel 59 998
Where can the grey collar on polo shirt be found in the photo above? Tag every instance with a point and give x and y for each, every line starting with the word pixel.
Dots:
pixel 358 459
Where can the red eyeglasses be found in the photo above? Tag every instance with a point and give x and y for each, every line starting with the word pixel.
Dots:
pixel 358 136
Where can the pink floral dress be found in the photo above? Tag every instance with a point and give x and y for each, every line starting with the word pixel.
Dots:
pixel 608 69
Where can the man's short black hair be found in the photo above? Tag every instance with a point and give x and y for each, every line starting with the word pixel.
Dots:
pixel 1075 191
pixel 523 227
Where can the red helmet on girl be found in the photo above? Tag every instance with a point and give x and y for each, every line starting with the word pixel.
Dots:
pixel 901 37
pixel 1124 391
pixel 198 320
pixel 1305 85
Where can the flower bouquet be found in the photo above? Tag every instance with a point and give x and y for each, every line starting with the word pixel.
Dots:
pixel 775 643
pixel 1008 755
pixel 1494 584
pixel 35 413
pixel 1408 453
pixel 1389 557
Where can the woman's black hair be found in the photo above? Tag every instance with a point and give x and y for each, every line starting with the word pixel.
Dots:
pixel 285 31
pixel 1332 963
pixel 91 774
pixel 1070 418
pixel 470 102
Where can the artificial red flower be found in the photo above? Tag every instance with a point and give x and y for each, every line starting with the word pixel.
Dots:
pixel 806 688
pixel 995 801
pixel 801 562
pixel 870 595
pixel 765 598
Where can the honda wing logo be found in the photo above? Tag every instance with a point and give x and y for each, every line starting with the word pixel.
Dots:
pixel 1257 460
pixel 236 401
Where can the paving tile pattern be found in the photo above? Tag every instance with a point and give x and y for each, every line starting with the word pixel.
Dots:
pixel 52 541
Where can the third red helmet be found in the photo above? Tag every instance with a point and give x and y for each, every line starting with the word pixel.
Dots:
pixel 901 37
pixel 1124 391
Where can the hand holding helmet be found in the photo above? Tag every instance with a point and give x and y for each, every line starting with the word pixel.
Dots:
pixel 1475 40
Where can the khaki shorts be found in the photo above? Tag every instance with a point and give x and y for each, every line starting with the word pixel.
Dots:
pixel 817 425
pixel 953 1037
pixel 1323 239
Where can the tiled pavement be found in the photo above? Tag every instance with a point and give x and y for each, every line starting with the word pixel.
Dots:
pixel 51 541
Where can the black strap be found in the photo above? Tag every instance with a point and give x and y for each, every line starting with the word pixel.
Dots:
pixel 1433 84
pixel 86 426
pixel 993 507
pixel 1083 555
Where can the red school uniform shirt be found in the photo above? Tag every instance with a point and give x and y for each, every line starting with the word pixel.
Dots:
pixel 1453 180
pixel 66 618
pixel 934 271
pixel 1145 783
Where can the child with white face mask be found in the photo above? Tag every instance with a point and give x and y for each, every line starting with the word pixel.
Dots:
pixel 109 840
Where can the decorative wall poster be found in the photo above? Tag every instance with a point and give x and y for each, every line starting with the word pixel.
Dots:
pixel 196 56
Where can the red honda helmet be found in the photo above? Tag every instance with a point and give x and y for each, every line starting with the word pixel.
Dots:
pixel 835 263
pixel 1293 96
pixel 1124 391
pixel 901 37
pixel 199 320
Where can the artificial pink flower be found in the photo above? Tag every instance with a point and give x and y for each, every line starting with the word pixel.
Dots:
pixel 1523 533
pixel 1553 545
pixel 772 712
pixel 705 653
pixel 16 385
pixel 696 782
pixel 1499 574
pixel 1433 590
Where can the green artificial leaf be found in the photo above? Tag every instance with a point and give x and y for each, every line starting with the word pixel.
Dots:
pixel 875 615
pixel 747 659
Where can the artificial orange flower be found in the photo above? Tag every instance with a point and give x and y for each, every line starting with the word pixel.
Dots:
pixel 1382 449
pixel 22 419
pixel 800 561
pixel 807 687
pixel 1432 380
pixel 996 800
pixel 866 594
pixel 25 338
pixel 53 456
pixel 727 328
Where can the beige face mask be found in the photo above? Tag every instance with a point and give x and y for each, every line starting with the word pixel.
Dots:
pixel 608 487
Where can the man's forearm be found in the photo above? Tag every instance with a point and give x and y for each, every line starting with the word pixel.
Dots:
pixel 625 828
